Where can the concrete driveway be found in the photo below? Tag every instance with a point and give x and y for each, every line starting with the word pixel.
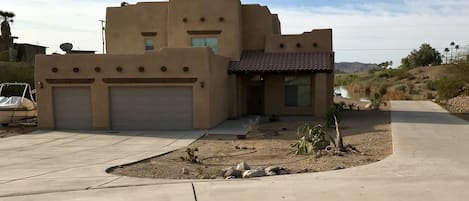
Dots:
pixel 54 161
pixel 430 162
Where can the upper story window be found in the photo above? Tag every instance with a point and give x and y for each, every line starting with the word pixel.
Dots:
pixel 298 91
pixel 149 44
pixel 212 43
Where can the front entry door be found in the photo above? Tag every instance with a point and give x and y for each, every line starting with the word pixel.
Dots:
pixel 255 98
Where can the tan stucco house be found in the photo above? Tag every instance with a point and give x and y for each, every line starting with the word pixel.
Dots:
pixel 187 65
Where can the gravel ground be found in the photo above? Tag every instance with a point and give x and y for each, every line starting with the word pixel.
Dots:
pixel 270 144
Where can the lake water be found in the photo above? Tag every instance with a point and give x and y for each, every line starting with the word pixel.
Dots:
pixel 344 92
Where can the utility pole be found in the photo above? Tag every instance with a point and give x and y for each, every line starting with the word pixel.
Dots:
pixel 102 34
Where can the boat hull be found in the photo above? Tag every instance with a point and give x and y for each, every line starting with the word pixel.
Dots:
pixel 11 116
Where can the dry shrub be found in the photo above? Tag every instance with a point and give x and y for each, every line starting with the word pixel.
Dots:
pixel 396 95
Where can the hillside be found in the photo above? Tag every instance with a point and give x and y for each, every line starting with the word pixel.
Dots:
pixel 442 82
pixel 353 67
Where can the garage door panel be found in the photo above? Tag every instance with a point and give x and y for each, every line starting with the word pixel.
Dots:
pixel 151 108
pixel 72 108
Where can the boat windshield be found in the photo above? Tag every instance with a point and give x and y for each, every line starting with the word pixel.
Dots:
pixel 13 100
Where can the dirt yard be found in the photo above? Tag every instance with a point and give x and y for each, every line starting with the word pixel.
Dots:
pixel 270 144
pixel 16 130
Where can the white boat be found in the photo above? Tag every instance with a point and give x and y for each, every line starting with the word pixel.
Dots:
pixel 17 103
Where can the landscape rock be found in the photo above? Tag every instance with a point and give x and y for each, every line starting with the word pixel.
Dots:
pixel 259 172
pixel 458 104
pixel 368 106
pixel 282 172
pixel 271 173
pixel 272 169
pixel 242 166
pixel 185 171
pixel 339 168
pixel 232 172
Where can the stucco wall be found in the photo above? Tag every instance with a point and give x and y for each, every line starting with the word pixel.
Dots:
pixel 197 59
pixel 229 40
pixel 258 22
pixel 219 90
pixel 124 27
pixel 322 38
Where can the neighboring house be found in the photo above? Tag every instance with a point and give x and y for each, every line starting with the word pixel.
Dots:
pixel 27 52
pixel 187 65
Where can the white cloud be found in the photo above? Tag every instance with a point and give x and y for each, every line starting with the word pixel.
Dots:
pixel 376 32
pixel 368 32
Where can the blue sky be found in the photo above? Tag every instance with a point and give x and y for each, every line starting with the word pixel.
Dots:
pixel 368 31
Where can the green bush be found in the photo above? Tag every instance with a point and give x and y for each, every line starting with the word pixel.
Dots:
pixel 383 90
pixel 449 88
pixel 431 85
pixel 16 72
pixel 311 139
pixel 4 56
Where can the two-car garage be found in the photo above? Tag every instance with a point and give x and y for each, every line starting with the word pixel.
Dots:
pixel 130 108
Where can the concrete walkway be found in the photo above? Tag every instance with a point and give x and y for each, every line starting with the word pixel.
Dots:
pixel 430 162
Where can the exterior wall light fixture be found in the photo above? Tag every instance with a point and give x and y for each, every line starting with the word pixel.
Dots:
pixel 202 84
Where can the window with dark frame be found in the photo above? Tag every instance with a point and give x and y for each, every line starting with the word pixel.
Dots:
pixel 298 91
pixel 212 43
pixel 149 44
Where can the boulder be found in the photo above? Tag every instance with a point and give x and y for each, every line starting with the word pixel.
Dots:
pixel 254 173
pixel 243 166
pixel 232 172
pixel 270 173
pixel 282 172
pixel 272 169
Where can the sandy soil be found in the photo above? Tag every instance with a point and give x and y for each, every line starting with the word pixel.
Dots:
pixel 269 144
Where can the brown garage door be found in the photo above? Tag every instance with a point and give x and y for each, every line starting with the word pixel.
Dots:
pixel 151 108
pixel 72 108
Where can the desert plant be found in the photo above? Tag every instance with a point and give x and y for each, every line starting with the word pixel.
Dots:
pixel 383 90
pixel 339 139
pixel 431 85
pixel 311 139
pixel 191 156
pixel 396 95
pixel 332 112
pixel 376 101
pixel 449 88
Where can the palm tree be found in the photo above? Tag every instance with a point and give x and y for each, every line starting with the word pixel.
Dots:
pixel 456 47
pixel 446 54
pixel 5 26
pixel 451 45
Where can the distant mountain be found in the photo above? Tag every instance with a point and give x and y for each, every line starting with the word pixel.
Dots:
pixel 353 67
